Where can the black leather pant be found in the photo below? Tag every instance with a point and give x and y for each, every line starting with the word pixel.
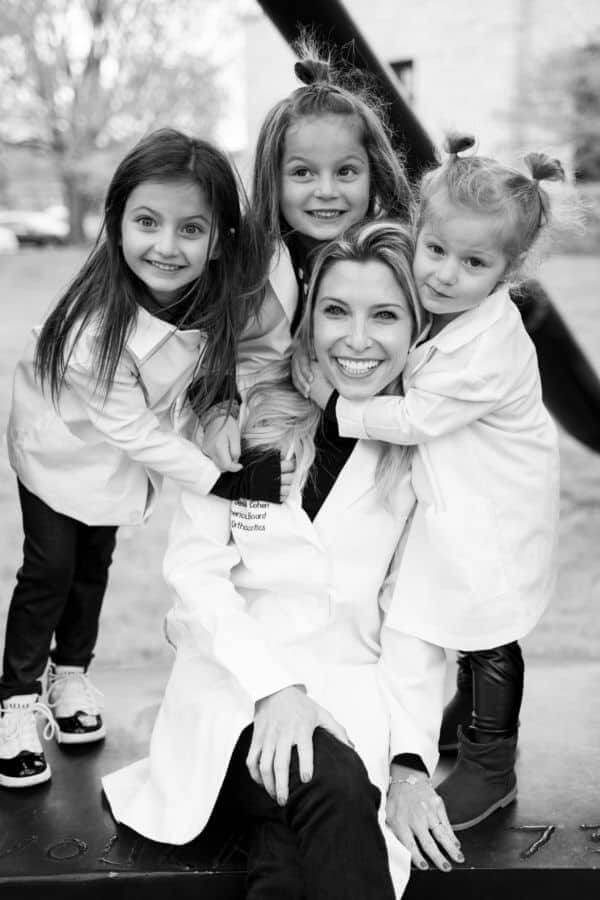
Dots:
pixel 325 843
pixel 495 679
pixel 59 592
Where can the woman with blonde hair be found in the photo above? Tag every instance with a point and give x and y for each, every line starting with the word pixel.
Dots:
pixel 291 703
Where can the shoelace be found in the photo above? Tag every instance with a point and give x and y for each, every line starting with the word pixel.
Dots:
pixel 23 724
pixel 76 689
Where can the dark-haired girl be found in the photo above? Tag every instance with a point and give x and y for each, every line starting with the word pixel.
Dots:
pixel 145 334
pixel 324 161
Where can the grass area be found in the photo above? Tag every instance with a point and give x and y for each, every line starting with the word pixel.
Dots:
pixel 131 631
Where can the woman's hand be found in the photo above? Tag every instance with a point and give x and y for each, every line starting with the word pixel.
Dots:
pixel 284 720
pixel 221 441
pixel 417 816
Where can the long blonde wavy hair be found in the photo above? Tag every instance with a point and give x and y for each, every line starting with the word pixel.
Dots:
pixel 278 417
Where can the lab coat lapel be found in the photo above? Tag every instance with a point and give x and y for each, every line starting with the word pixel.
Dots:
pixel 356 478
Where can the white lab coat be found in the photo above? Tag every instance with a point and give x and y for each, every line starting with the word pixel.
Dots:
pixel 478 567
pixel 265 599
pixel 268 339
pixel 102 461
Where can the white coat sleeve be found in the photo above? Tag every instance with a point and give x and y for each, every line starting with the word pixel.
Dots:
pixel 268 338
pixel 412 675
pixel 198 564
pixel 125 420
pixel 448 393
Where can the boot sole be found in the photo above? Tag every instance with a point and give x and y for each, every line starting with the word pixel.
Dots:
pixel 67 737
pixel 27 781
pixel 500 804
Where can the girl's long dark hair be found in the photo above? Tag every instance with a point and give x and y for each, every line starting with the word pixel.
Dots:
pixel 220 302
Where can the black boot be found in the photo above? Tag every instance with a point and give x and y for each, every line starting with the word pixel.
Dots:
pixel 482 781
pixel 459 710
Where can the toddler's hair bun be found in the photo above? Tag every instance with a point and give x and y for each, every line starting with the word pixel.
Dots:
pixel 456 142
pixel 544 168
pixel 311 71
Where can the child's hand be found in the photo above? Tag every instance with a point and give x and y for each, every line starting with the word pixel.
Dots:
pixel 288 470
pixel 302 372
pixel 221 442
pixel 320 389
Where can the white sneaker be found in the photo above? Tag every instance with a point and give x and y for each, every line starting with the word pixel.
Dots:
pixel 75 703
pixel 22 760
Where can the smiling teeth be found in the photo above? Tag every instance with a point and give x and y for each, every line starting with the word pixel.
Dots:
pixel 325 213
pixel 165 267
pixel 357 366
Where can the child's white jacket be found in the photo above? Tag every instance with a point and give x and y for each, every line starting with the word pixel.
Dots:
pixel 269 338
pixel 478 566
pixel 266 599
pixel 102 461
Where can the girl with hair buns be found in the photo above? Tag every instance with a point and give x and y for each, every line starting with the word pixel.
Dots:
pixel 323 162
pixel 478 566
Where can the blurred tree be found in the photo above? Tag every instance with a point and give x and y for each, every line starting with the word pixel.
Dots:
pixel 82 79
pixel 561 102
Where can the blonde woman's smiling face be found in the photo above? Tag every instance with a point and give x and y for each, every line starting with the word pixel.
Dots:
pixel 362 327
pixel 325 176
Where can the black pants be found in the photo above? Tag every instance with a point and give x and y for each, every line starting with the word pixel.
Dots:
pixel 325 843
pixel 495 679
pixel 59 591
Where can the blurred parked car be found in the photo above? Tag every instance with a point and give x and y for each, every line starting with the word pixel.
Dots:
pixel 8 240
pixel 37 229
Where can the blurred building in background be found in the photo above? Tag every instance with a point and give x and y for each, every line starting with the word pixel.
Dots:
pixel 498 70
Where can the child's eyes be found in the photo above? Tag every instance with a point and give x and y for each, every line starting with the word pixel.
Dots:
pixel 387 315
pixel 192 229
pixel 145 221
pixel 473 262
pixel 345 171
pixel 300 172
pixel 436 249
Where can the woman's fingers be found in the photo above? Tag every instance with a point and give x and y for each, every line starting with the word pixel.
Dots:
pixel 431 848
pixel 281 770
pixel 266 768
pixel 444 834
pixel 405 836
pixel 305 757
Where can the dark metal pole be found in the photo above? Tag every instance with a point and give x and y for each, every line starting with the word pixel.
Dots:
pixel 333 24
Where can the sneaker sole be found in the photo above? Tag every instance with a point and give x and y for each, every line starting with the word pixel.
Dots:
pixel 27 781
pixel 500 804
pixel 69 737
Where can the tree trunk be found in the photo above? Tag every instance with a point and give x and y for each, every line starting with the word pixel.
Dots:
pixel 75 202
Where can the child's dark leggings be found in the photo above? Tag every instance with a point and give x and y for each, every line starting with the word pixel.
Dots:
pixel 325 843
pixel 495 678
pixel 59 592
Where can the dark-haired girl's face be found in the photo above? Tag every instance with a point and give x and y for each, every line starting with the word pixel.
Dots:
pixel 325 176
pixel 166 236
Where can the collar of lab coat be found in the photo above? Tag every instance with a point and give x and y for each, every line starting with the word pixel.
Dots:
pixel 150 332
pixel 283 280
pixel 470 324
pixel 356 478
